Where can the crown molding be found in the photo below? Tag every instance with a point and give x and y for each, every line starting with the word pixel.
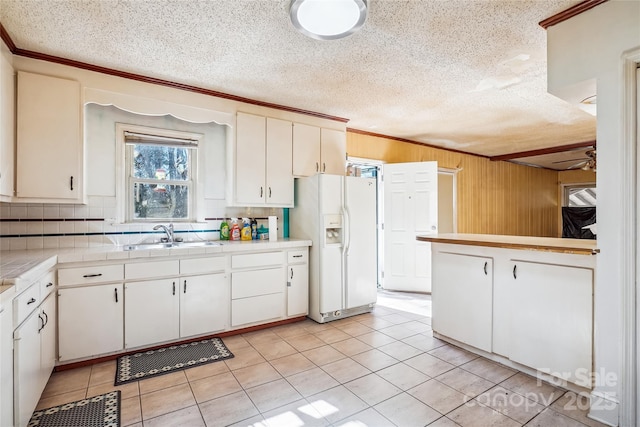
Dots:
pixel 569 13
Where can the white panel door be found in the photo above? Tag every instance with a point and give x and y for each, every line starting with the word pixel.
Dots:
pixel 279 178
pixel 26 368
pixel 298 289
pixel 361 269
pixel 410 209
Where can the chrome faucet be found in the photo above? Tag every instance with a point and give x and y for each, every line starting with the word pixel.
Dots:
pixel 168 231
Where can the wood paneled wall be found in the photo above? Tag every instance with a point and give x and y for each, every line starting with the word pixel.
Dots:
pixel 493 197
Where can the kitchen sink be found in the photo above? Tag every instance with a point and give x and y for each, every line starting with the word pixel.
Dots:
pixel 166 245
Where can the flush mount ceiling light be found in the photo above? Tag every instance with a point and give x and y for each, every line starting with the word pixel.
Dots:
pixel 328 19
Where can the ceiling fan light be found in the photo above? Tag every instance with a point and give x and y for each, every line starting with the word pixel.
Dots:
pixel 328 19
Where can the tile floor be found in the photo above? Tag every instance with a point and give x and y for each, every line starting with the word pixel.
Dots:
pixel 379 369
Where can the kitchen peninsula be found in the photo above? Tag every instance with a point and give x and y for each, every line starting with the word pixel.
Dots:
pixel 526 302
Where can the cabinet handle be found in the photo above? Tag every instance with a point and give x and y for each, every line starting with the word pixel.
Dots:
pixel 261 192
pixel 485 268
pixel 174 288
pixel 324 167
pixel 46 319
pixel 31 301
pixel 317 167
pixel 71 183
pixel 297 256
pixel 269 192
pixel 49 285
pixel 92 275
pixel 185 287
pixel 292 273
pixel 40 327
pixel 514 272
pixel 116 293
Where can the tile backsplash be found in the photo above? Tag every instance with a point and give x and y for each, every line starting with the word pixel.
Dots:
pixel 50 226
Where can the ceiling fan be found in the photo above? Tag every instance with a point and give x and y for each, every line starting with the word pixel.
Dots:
pixel 585 163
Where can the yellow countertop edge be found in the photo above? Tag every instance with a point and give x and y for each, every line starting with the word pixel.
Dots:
pixel 497 243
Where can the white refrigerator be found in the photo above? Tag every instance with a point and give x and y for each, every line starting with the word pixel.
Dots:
pixel 338 214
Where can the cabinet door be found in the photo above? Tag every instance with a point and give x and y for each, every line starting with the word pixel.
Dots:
pixel 6 365
pixel 279 178
pixel 298 290
pixel 49 143
pixel 151 312
pixel 26 365
pixel 333 151
pixel 306 150
pixel 204 304
pixel 559 341
pixel 90 321
pixel 462 298
pixel 47 339
pixel 7 126
pixel 250 159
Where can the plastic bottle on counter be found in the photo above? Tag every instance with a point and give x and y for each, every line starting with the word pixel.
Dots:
pixel 224 230
pixel 254 229
pixel 234 233
pixel 245 232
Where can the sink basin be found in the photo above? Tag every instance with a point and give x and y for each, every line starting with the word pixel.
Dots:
pixel 166 245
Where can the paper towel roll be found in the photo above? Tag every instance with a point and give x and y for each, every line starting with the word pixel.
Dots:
pixel 273 228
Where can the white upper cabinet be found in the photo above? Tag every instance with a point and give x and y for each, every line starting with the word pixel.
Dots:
pixel 49 166
pixel 318 150
pixel 262 162
pixel 7 128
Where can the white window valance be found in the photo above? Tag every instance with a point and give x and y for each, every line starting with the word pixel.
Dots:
pixel 157 107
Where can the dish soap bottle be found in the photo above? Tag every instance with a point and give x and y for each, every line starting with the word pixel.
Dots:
pixel 235 231
pixel 224 230
pixel 245 233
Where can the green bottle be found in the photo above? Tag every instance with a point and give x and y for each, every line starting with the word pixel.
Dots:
pixel 224 231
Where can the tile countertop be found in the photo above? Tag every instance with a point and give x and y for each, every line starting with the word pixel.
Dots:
pixel 550 244
pixel 22 267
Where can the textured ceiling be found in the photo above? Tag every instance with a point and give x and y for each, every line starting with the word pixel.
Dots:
pixel 463 74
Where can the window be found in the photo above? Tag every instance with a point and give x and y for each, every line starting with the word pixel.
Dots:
pixel 582 195
pixel 160 174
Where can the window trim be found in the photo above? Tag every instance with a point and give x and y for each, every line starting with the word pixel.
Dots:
pixel 125 206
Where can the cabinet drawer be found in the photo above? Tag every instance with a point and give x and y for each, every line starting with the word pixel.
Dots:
pixel 25 303
pixel 257 260
pixel 202 265
pixel 47 284
pixel 259 282
pixel 298 257
pixel 146 270
pixel 257 309
pixel 87 275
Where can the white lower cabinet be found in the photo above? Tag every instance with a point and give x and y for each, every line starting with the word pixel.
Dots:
pixel 33 354
pixel 6 364
pixel 298 283
pixel 531 309
pixel 90 321
pixel 462 287
pixel 559 341
pixel 257 296
pixel 204 304
pixel 151 312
